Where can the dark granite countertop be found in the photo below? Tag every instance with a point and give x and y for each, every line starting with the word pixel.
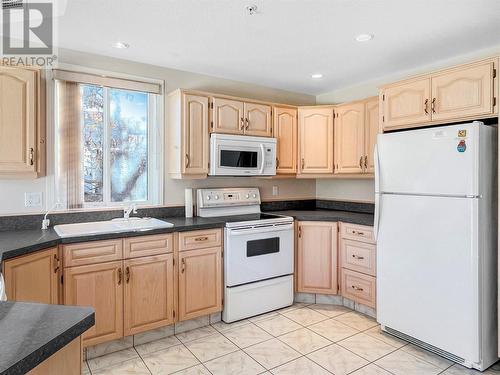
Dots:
pixel 32 332
pixel 15 243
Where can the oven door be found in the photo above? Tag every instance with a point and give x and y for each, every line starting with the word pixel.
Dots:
pixel 231 159
pixel 257 253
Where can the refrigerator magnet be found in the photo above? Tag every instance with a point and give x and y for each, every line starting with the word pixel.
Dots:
pixel 461 146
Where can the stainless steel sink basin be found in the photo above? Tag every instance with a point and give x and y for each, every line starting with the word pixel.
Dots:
pixel 133 224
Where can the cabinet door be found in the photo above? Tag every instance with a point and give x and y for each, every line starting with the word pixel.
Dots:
pixel 464 92
pixel 99 286
pixel 285 131
pixel 371 131
pixel 33 277
pixel 317 257
pixel 349 138
pixel 149 293
pixel 316 140
pixel 258 120
pixel 195 136
pixel 18 120
pixel 227 116
pixel 200 282
pixel 407 104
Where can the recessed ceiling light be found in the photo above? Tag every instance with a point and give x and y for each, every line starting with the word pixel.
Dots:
pixel 316 76
pixel 364 37
pixel 121 45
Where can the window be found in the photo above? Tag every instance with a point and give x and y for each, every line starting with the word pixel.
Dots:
pixel 109 145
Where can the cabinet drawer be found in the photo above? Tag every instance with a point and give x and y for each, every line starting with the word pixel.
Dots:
pixel 199 239
pixel 83 253
pixel 357 232
pixel 134 247
pixel 358 287
pixel 358 256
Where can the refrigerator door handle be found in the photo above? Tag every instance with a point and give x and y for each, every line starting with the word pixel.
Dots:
pixel 377 169
pixel 376 216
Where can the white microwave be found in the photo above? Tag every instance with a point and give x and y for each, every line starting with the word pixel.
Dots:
pixel 241 155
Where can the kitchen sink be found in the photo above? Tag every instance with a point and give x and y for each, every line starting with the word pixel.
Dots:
pixel 133 224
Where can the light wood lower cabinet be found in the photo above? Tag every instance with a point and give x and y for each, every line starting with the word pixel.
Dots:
pixel 200 282
pixel 101 287
pixel 149 293
pixel 33 277
pixel 67 361
pixel 317 257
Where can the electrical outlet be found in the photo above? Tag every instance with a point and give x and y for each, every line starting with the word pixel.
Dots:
pixel 275 190
pixel 33 200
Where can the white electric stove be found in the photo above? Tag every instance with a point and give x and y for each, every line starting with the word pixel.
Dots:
pixel 258 252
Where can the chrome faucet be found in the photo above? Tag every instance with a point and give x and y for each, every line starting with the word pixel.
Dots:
pixel 128 210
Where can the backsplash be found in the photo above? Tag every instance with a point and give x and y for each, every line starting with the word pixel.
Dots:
pixel 24 222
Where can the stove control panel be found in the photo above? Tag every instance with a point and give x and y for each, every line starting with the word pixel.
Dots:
pixel 225 197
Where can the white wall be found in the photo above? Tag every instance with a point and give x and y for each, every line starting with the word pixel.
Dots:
pixel 363 190
pixel 12 191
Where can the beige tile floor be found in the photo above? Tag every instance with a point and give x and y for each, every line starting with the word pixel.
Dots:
pixel 301 339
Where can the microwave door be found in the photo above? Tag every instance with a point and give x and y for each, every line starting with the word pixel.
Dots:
pixel 235 160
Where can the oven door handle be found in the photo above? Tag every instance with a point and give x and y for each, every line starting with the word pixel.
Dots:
pixel 254 230
pixel 262 157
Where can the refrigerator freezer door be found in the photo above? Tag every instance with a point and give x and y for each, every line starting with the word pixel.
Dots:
pixel 427 271
pixel 434 161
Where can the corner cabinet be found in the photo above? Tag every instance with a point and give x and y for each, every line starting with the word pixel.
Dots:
pixel 315 140
pixel 465 92
pixel 317 257
pixel 33 277
pixel 230 116
pixel 22 122
pixel 285 132
pixel 188 135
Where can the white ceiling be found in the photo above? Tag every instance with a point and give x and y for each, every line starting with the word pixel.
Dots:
pixel 287 40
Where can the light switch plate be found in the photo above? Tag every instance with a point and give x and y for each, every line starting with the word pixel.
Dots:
pixel 275 190
pixel 33 200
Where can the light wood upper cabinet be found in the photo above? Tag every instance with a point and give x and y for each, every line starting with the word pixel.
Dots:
pixel 285 131
pixel 317 257
pixel 99 286
pixel 187 135
pixel 33 277
pixel 149 293
pixel 227 116
pixel 200 282
pixel 315 140
pixel 21 123
pixel 463 92
pixel 406 103
pixel 350 138
pixel 258 121
pixel 371 131
pixel 195 137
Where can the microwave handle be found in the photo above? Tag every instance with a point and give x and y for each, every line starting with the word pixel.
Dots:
pixel 262 153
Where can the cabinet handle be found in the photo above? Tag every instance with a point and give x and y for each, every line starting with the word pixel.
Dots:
pixel 357 257
pixel 300 232
pixel 242 124
pixel 187 160
pixel 366 161
pixel 119 276
pixel 357 288
pixel 56 263
pixel 277 162
pixel 32 156
pixel 358 232
pixel 433 105
pixel 302 164
pixel 199 239
pixel 426 105
pixel 247 123
pixel 183 265
pixel 361 162
pixel 127 274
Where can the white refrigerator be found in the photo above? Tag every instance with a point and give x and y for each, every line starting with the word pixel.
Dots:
pixel 436 231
